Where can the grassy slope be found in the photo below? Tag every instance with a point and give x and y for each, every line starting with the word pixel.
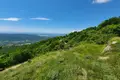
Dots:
pixel 84 62
pixel 79 63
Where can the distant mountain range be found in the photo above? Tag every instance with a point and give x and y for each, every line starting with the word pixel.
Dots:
pixel 51 34
pixel 21 39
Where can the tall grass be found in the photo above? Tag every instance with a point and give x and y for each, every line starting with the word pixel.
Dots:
pixel 79 63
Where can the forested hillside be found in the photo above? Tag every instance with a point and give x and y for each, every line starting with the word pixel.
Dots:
pixel 88 61
pixel 99 35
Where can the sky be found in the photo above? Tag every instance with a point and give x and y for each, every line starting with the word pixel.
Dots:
pixel 54 16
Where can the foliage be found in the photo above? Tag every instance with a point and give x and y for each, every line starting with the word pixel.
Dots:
pixel 79 63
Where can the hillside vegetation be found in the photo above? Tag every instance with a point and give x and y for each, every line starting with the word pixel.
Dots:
pixel 88 61
pixel 91 54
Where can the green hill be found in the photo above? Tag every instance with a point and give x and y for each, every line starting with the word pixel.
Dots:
pixel 84 62
pixel 91 54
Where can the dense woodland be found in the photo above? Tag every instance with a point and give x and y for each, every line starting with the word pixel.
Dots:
pixel 100 34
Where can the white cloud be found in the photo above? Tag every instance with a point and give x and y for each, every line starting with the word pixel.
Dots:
pixel 76 30
pixel 101 1
pixel 10 19
pixel 40 18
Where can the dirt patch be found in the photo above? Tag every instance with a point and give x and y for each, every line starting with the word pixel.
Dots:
pixel 13 67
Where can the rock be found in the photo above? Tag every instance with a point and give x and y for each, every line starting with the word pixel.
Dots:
pixel 108 48
pixel 114 42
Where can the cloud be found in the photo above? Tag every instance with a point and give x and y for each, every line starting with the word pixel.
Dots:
pixel 10 19
pixel 76 30
pixel 40 18
pixel 100 1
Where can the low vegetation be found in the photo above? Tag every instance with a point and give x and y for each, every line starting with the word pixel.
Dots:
pixel 84 62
